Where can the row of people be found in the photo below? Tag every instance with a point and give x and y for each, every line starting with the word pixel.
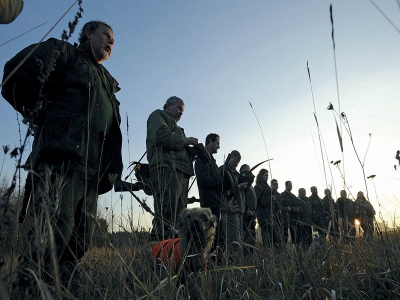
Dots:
pixel 229 193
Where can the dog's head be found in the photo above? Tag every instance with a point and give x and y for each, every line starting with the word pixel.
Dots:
pixel 196 228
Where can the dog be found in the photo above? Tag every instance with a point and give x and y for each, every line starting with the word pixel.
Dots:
pixel 190 251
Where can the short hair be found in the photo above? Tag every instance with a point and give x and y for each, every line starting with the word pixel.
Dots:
pixel 260 175
pixel 90 27
pixel 244 166
pixel 287 182
pixel 274 180
pixel 172 101
pixel 236 154
pixel 212 137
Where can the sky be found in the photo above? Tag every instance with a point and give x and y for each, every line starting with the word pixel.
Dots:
pixel 220 56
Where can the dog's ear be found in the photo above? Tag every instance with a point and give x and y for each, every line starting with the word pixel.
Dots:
pixel 212 218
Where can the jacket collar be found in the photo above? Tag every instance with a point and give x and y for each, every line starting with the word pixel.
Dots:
pixel 87 49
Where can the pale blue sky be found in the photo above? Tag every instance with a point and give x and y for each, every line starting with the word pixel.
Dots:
pixel 220 55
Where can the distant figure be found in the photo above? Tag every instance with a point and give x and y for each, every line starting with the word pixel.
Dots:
pixel 365 213
pixel 305 228
pixel 10 10
pixel 170 165
pixel 249 216
pixel 290 201
pixel 267 210
pixel 346 214
pixel 209 182
pixel 234 205
pixel 319 215
pixel 331 211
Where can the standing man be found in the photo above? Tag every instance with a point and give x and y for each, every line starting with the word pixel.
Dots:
pixel 170 166
pixel 319 215
pixel 331 211
pixel 365 213
pixel 249 216
pixel 305 220
pixel 268 209
pixel 76 152
pixel 233 207
pixel 346 214
pixel 209 181
pixel 292 204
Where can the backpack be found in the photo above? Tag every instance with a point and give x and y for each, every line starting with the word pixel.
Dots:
pixel 142 174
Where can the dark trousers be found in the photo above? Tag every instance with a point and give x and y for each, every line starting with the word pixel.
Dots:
pixel 271 236
pixel 170 198
pixel 68 203
pixel 294 233
pixel 219 240
pixel 305 235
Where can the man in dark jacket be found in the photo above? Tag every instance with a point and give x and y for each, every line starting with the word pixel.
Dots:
pixel 76 152
pixel 365 213
pixel 268 210
pixel 290 201
pixel 319 215
pixel 170 166
pixel 249 216
pixel 209 181
pixel 233 203
pixel 346 214
pixel 332 212
pixel 305 219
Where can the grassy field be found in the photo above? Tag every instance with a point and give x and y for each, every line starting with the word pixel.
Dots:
pixel 346 269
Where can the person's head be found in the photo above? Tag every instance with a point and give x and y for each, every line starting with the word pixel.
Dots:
pixel 174 106
pixel 314 190
pixel 288 186
pixel 244 168
pixel 360 195
pixel 343 194
pixel 262 176
pixel 234 159
pixel 274 184
pixel 101 38
pixel 302 193
pixel 212 142
pixel 246 175
pixel 327 192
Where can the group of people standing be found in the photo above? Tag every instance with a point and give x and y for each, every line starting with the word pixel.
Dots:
pixel 76 155
pixel 230 194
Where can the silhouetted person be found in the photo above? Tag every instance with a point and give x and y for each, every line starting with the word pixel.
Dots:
pixel 365 213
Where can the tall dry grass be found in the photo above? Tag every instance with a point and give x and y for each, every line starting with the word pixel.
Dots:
pixel 347 269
